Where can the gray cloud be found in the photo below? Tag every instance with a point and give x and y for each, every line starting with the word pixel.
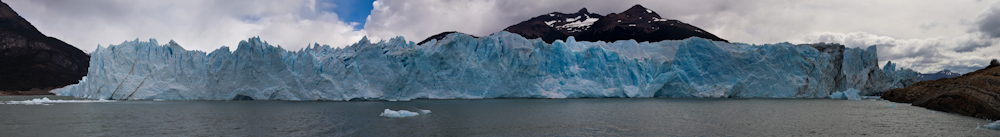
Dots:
pixel 989 21
pixel 972 43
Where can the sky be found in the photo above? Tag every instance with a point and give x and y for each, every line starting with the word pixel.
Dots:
pixel 924 35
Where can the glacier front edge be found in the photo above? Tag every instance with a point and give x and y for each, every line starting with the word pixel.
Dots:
pixel 502 65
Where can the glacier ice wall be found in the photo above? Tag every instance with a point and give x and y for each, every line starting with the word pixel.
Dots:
pixel 502 65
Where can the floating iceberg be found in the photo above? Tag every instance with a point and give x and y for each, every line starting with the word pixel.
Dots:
pixel 850 94
pixel 399 114
pixel 993 126
pixel 502 65
pixel 838 95
pixel 47 101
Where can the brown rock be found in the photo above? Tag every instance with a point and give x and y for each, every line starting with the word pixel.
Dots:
pixel 975 94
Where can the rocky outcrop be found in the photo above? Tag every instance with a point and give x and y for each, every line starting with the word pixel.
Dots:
pixel 440 36
pixel 30 61
pixel 975 94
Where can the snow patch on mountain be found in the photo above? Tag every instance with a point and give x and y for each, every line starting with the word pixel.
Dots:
pixel 578 26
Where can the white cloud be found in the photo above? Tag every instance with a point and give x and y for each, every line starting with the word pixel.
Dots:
pixel 195 24
pixel 961 54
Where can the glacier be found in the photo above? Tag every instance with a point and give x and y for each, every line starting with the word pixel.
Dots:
pixel 501 65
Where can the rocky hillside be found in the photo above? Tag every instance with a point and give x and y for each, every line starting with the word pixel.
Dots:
pixel 30 60
pixel 975 94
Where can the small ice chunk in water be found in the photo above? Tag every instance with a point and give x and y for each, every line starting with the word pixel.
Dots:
pixel 993 126
pixel 397 114
pixel 837 95
pixel 424 111
pixel 47 101
pixel 850 94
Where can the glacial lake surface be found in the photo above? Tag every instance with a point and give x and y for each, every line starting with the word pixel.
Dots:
pixel 487 117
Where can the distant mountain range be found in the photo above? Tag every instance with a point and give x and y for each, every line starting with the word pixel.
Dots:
pixel 30 60
pixel 638 23
pixel 939 75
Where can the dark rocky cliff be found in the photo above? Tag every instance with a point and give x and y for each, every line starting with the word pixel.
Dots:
pixel 31 60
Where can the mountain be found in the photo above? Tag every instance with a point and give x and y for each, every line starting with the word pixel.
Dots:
pixel 501 65
pixel 555 25
pixel 939 75
pixel 975 94
pixel 638 23
pixel 441 36
pixel 30 60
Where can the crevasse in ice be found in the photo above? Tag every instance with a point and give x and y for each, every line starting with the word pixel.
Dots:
pixel 502 65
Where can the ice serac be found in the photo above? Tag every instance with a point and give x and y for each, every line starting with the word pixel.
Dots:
pixel 501 65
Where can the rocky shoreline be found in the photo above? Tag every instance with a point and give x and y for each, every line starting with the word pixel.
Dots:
pixel 975 94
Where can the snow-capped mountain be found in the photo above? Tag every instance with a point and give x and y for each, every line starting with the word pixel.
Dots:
pixel 638 23
pixel 939 75
pixel 555 25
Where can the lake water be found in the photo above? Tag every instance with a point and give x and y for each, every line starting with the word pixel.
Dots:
pixel 490 117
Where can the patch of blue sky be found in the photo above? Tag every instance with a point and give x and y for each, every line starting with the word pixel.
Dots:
pixel 354 12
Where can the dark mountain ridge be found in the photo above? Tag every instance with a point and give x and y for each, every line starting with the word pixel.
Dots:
pixel 555 25
pixel 642 24
pixel 637 23
pixel 31 60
